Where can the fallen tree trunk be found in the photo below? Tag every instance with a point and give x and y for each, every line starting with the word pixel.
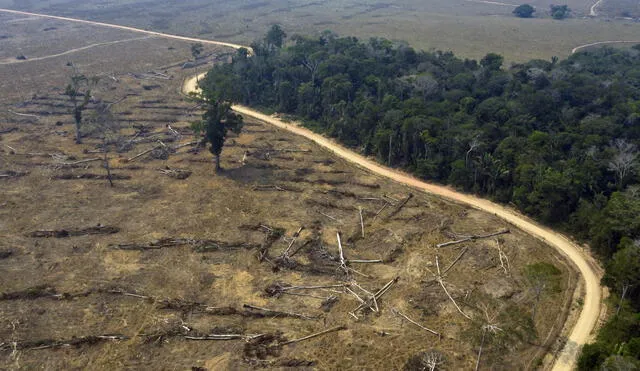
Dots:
pixel 473 238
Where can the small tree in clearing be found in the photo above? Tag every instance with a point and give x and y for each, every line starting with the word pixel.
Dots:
pixel 218 117
pixel 79 92
pixel 106 127
pixel 524 11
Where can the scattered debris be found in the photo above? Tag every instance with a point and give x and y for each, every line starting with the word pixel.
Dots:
pixel 12 174
pixel 175 173
pixel 42 291
pixel 62 233
pixel 49 343
pixel 397 312
pixel 197 245
pixel 278 313
pixel 91 176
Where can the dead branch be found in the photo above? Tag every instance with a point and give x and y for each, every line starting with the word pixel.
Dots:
pixel 99 229
pixel 361 221
pixel 504 259
pixel 185 145
pixel 23 114
pixel 397 312
pixel 145 152
pixel 65 164
pixel 382 208
pixel 220 337
pixel 361 261
pixel 400 206
pixel 473 238
pixel 9 130
pixel 277 313
pixel 455 261
pixel 439 279
pixel 334 329
pixel 343 263
pixel 285 253
pixel 329 216
pixel 377 296
pixel 49 343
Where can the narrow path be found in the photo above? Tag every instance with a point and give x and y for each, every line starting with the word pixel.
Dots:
pixel 581 332
pixel 125 28
pixel 492 3
pixel 578 48
pixel 70 51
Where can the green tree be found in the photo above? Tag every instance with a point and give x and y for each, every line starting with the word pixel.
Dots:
pixel 524 11
pixel 218 119
pixel 623 272
pixel 275 37
pixel 559 11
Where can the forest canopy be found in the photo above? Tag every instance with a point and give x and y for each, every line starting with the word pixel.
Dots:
pixel 557 139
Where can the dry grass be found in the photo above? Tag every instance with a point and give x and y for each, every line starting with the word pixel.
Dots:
pixel 151 206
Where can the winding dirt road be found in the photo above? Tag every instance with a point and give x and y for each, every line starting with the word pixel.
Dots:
pixel 578 48
pixel 588 318
pixel 592 10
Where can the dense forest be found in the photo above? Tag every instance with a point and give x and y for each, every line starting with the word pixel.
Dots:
pixel 557 139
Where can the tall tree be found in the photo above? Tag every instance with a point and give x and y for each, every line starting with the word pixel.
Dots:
pixel 275 37
pixel 218 118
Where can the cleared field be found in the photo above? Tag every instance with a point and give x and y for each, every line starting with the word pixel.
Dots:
pixel 470 29
pixel 135 53
pixel 156 262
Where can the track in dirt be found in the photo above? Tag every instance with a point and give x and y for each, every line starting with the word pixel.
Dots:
pixel 71 51
pixel 581 332
pixel 578 48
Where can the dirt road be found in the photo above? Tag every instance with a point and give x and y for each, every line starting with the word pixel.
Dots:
pixel 577 48
pixel 592 11
pixel 581 332
pixel 70 51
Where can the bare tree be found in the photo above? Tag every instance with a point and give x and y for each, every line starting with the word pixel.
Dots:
pixel 433 360
pixel 473 145
pixel 79 92
pixel 107 128
pixel 489 327
pixel 622 163
pixel 426 85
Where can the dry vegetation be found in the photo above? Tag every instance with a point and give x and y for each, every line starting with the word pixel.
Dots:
pixel 468 28
pixel 167 268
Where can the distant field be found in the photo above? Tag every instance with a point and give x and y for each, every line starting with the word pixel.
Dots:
pixel 92 49
pixel 620 8
pixel 468 28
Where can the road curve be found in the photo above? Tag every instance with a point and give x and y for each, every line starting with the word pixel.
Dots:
pixel 592 10
pixel 586 323
pixel 577 48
